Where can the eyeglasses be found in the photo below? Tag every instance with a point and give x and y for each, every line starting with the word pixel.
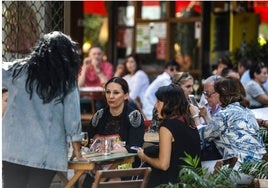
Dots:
pixel 208 95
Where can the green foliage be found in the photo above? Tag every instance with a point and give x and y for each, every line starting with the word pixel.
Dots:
pixel 252 50
pixel 257 169
pixel 264 135
pixel 192 176
pixel 92 26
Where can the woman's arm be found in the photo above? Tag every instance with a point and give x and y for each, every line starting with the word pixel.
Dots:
pixel 263 99
pixel 165 146
pixel 263 123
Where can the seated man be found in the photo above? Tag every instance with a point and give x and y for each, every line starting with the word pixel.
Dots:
pixel 164 79
pixel 209 150
pixel 95 72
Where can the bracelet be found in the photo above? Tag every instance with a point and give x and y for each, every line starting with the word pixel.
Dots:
pixel 195 116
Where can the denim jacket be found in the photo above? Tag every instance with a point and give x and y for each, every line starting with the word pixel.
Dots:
pixel 36 134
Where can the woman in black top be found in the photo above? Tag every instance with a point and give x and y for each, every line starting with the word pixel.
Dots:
pixel 177 136
pixel 118 119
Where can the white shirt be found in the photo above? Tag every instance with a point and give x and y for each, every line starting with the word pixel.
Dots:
pixel 137 83
pixel 149 100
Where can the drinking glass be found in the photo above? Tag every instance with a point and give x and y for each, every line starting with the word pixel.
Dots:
pixel 196 87
pixel 106 146
pixel 84 141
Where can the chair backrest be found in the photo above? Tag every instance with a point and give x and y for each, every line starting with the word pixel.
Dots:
pixel 230 161
pixel 130 178
pixel 260 183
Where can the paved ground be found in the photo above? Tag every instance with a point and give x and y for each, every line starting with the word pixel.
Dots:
pixel 56 183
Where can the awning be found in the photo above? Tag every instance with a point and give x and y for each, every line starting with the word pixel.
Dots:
pixel 95 7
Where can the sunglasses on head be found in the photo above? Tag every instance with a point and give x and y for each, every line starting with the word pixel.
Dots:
pixel 184 75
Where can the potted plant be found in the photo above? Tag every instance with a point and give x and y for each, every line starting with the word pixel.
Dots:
pixel 192 176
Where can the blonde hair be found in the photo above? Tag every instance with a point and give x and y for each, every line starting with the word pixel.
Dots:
pixel 181 77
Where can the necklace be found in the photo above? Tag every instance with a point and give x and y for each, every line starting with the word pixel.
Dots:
pixel 116 113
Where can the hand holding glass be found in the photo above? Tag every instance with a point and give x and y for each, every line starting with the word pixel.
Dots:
pixel 84 141
pixel 196 87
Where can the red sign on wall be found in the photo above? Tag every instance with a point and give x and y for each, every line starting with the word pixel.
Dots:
pixel 161 48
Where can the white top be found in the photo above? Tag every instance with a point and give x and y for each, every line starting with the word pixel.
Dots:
pixel 253 90
pixel 149 100
pixel 245 78
pixel 137 83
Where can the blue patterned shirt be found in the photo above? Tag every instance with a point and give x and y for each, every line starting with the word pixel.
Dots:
pixel 234 131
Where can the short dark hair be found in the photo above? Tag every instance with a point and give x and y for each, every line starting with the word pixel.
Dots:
pixel 226 71
pixel 245 62
pixel 4 90
pixel 256 68
pixel 172 63
pixel 226 61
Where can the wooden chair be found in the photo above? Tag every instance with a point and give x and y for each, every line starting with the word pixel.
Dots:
pixel 85 118
pixel 230 161
pixel 260 183
pixel 265 156
pixel 141 182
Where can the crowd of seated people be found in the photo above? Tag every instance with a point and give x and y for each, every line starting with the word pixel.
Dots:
pixel 222 127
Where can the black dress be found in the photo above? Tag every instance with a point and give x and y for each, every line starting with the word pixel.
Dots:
pixel 186 139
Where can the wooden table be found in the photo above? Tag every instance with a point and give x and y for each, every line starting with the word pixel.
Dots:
pixel 81 167
pixel 92 93
pixel 261 113
pixel 152 137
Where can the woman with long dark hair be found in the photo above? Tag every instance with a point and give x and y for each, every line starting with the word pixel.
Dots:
pixel 177 135
pixel 138 81
pixel 42 113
